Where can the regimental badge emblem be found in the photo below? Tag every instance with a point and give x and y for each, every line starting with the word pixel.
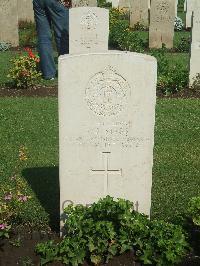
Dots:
pixel 89 20
pixel 107 93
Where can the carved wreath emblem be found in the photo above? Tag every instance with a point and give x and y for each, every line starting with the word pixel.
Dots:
pixel 163 6
pixel 107 93
pixel 89 20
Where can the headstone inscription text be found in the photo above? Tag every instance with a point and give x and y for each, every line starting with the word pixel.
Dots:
pixel 88 30
pixel 9 22
pixel 106 122
pixel 162 17
pixel 86 3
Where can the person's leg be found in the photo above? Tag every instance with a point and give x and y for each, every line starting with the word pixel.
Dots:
pixel 60 20
pixel 43 25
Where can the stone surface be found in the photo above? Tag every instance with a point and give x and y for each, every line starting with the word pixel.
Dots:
pixel 9 22
pixel 115 3
pixel 191 5
pixel 185 5
pixel 124 4
pixel 176 8
pixel 106 127
pixel 195 47
pixel 149 4
pixel 139 12
pixel 80 3
pixel 189 9
pixel 162 17
pixel 88 30
pixel 25 10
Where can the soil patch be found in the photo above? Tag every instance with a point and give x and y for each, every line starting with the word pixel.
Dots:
pixel 19 250
pixel 40 91
pixel 44 91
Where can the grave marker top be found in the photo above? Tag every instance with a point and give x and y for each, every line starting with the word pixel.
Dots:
pixel 86 3
pixel 88 30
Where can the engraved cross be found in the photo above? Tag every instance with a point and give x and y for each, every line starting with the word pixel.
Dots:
pixel 106 171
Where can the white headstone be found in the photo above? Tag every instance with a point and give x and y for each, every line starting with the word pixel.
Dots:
pixel 25 10
pixel 88 30
pixel 115 3
pixel 80 3
pixel 191 5
pixel 139 13
pixel 176 8
pixel 106 123
pixel 162 17
pixel 9 22
pixel 185 6
pixel 149 4
pixel 195 47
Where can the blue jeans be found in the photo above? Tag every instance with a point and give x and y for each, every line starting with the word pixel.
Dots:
pixel 50 13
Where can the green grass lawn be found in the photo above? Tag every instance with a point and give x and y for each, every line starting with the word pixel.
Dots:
pixel 33 122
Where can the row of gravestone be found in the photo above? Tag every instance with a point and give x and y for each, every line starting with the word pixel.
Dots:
pixel 162 16
pixel 14 11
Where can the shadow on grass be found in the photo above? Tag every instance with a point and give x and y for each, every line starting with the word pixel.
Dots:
pixel 44 182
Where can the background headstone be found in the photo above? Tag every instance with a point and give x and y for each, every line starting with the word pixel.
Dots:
pixel 176 8
pixel 25 10
pixel 191 5
pixel 9 22
pixel 115 3
pixel 124 4
pixel 189 10
pixel 106 127
pixel 195 47
pixel 88 30
pixel 162 17
pixel 185 6
pixel 139 12
pixel 149 4
pixel 80 3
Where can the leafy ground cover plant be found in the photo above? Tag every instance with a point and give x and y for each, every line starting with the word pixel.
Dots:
pixel 123 37
pixel 171 78
pixel 194 210
pixel 111 227
pixel 191 222
pixel 24 71
pixel 27 34
pixel 183 46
